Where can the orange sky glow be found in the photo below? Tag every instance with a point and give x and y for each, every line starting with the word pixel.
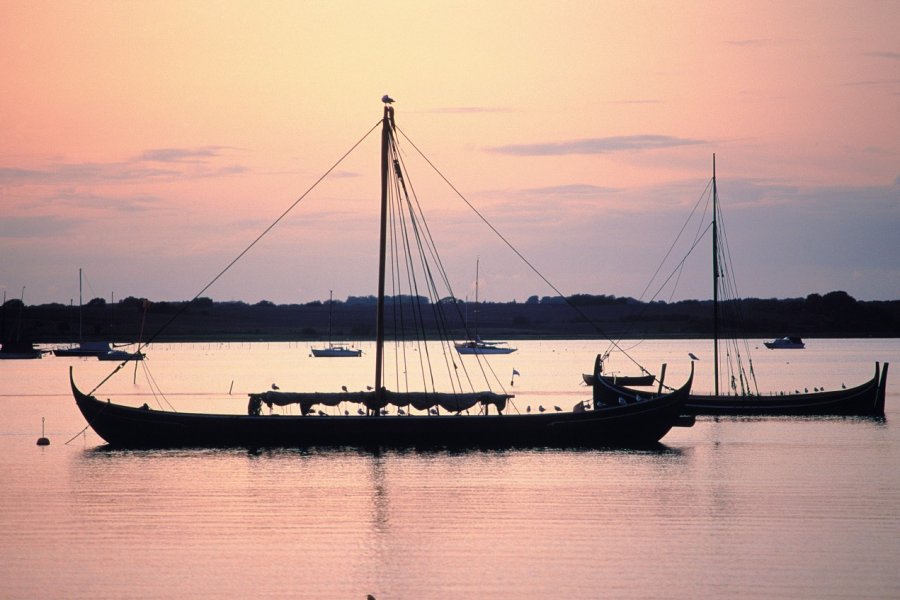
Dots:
pixel 149 142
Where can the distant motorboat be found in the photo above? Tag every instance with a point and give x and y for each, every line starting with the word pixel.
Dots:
pixel 786 343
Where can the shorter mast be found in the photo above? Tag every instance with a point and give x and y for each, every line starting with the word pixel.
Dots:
pixel 715 245
pixel 330 309
pixel 477 264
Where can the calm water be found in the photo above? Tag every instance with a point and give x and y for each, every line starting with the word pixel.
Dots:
pixel 750 508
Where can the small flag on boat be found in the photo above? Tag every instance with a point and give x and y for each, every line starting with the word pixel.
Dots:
pixel 512 379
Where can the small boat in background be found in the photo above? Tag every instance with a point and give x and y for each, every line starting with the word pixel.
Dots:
pixel 121 355
pixel 85 349
pixel 790 342
pixel 334 350
pixel 479 346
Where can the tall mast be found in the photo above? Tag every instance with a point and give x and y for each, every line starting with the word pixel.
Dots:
pixel 387 126
pixel 715 245
pixel 79 305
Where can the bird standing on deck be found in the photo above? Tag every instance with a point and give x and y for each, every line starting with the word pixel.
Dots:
pixel 275 387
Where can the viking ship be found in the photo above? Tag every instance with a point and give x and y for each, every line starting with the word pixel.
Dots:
pixel 407 415
pixel 741 396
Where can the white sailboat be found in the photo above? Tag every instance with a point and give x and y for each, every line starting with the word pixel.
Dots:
pixel 100 350
pixel 334 350
pixel 477 345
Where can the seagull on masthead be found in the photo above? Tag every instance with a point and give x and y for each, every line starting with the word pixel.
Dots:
pixel 387 99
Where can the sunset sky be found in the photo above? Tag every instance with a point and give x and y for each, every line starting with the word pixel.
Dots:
pixel 150 142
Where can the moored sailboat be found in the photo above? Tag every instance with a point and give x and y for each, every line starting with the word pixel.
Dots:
pixel 632 424
pixel 478 345
pixel 83 349
pixel 333 350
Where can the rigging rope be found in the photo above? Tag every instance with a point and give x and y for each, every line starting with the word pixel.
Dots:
pixel 679 267
pixel 265 232
pixel 413 239
pixel 515 250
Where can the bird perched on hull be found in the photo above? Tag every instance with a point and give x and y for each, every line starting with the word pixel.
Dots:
pixel 275 387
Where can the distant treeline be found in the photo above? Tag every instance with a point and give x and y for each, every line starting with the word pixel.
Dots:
pixel 835 314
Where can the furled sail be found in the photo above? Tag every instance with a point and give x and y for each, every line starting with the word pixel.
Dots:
pixel 307 400
pixel 419 400
pixel 448 401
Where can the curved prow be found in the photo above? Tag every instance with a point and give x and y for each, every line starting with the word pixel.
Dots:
pixel 686 388
pixel 79 395
pixel 882 390
pixel 72 380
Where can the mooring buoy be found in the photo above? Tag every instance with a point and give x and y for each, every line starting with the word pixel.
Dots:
pixel 43 441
